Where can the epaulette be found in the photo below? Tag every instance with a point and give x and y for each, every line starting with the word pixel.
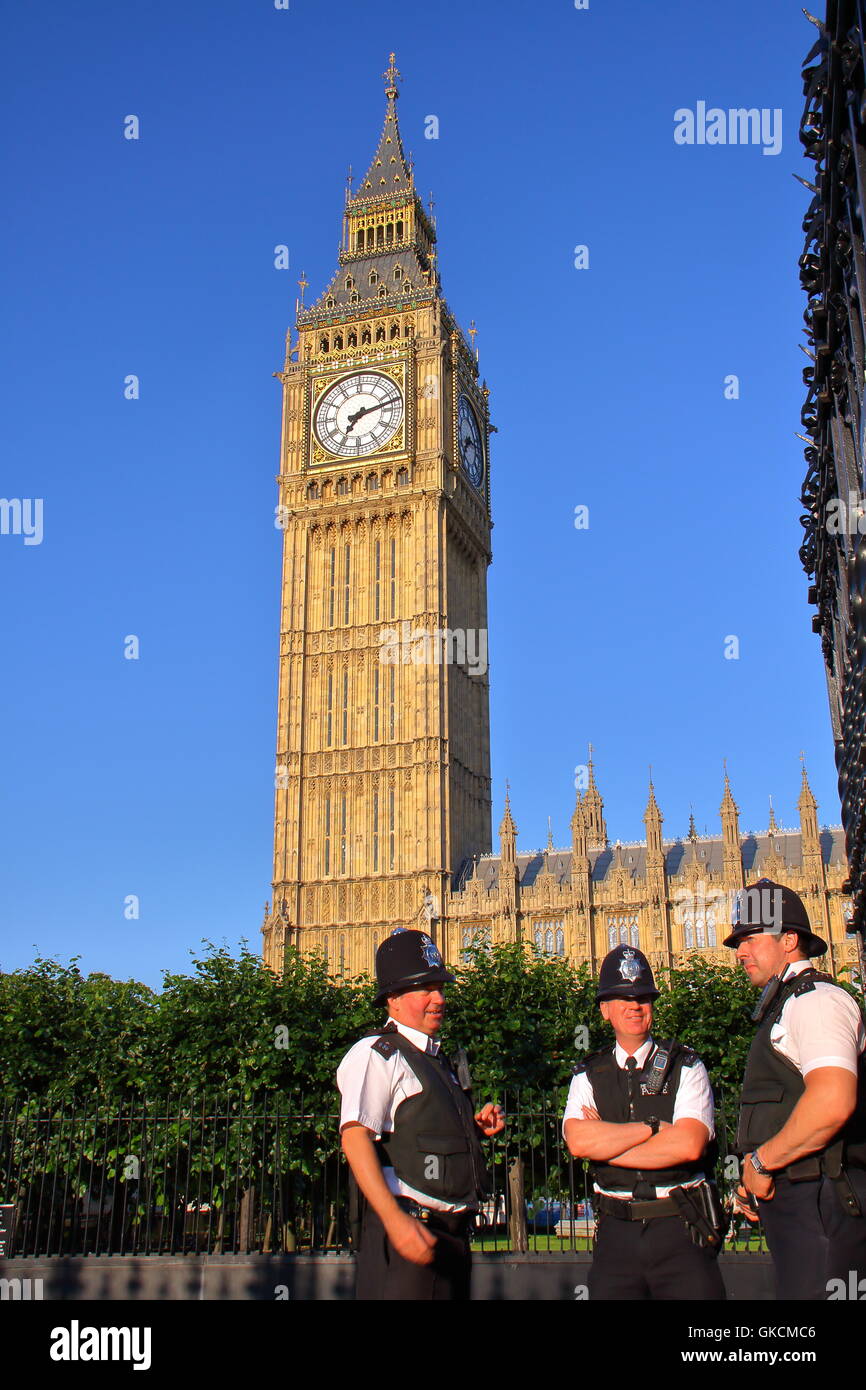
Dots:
pixel 678 1049
pixel 388 1041
pixel 593 1057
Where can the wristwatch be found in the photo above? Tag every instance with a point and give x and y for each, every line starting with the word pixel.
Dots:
pixel 758 1166
pixel 654 1123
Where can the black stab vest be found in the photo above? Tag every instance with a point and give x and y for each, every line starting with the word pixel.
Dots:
pixel 610 1088
pixel 435 1146
pixel 772 1086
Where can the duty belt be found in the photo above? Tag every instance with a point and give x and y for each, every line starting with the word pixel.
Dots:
pixel 636 1211
pixel 456 1223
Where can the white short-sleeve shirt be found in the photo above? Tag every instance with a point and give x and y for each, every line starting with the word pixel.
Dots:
pixel 693 1101
pixel 822 1028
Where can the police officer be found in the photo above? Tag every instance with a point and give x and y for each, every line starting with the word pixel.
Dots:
pixel 802 1127
pixel 642 1113
pixel 410 1135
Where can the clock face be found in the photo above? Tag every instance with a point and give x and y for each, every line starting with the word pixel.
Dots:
pixel 359 414
pixel 469 441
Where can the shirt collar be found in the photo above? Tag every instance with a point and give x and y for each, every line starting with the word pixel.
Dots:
pixel 640 1056
pixel 421 1040
pixel 795 967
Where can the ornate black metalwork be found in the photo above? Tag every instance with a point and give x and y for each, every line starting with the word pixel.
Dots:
pixel 833 276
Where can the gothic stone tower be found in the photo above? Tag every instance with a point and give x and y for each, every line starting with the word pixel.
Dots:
pixel 383 741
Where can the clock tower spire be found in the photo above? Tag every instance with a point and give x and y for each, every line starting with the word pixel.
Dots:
pixel 383 744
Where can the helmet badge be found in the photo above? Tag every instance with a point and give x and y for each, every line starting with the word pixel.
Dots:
pixel 429 951
pixel 629 966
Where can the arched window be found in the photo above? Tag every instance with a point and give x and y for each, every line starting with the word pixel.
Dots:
pixel 611 936
pixel 375 947
pixel 397 272
pixel 560 941
pixel 382 292
pixel 365 337
pixel 323 345
pixel 399 230
pixel 395 330
pixel 389 233
pixel 406 330
pixel 329 302
pixel 380 235
pixel 342 487
pixel 312 490
pixel 359 239
pixel 548 941
pixel 372 482
pixel 342 955
pixel 338 343
pixel 380 334
pixel 711 926
pixel 701 932
pixel 402 478
pixel 374 276
pixel 539 939
pixel 353 340
pixel 689 929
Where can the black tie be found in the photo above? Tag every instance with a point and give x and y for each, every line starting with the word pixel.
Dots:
pixel 633 1087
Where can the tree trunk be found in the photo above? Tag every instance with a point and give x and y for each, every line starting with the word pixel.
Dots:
pixel 248 1201
pixel 517 1209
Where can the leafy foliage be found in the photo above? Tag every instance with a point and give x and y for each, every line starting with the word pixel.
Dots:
pixel 231 1025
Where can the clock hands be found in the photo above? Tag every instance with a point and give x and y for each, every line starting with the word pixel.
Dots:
pixel 366 409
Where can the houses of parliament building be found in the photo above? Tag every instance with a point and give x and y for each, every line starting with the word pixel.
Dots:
pixel 383 794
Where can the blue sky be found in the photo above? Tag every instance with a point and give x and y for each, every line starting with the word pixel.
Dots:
pixel 154 257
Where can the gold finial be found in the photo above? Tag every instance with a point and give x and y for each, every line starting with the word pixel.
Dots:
pixel 303 282
pixel 431 206
pixel 391 76
pixel 472 331
pixel 349 183
pixel 549 835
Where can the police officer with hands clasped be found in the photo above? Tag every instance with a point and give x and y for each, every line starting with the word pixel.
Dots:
pixel 411 1135
pixel 802 1126
pixel 642 1113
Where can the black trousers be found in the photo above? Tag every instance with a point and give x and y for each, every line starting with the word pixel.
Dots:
pixel 651 1260
pixel 383 1274
pixel 812 1238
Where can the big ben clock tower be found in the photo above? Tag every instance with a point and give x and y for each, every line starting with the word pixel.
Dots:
pixel 383 731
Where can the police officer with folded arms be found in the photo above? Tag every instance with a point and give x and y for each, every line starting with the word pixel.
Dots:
pixel 642 1112
pixel 411 1135
pixel 802 1125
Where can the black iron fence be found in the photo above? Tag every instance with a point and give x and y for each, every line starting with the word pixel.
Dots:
pixel 221 1175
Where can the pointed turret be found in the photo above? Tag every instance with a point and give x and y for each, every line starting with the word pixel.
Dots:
pixel 389 170
pixel 808 808
pixel 593 808
pixel 652 819
pixel 810 841
pixel 388 252
pixel 732 858
pixel 507 834
pixel 578 830
pixel 771 826
pixel 508 872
